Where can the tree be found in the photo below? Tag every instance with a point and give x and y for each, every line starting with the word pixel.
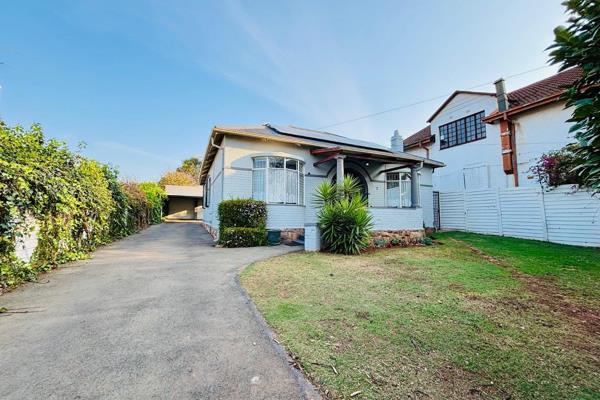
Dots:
pixel 177 178
pixel 192 167
pixel 578 44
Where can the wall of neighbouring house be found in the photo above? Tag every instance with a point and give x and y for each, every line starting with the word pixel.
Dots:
pixel 418 151
pixel 537 132
pixel 237 163
pixel 475 165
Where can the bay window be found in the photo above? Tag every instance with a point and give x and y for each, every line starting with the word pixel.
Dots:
pixel 278 180
pixel 397 189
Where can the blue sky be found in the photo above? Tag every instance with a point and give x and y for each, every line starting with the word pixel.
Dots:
pixel 143 82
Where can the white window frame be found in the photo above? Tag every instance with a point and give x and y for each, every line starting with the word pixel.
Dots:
pixel 299 170
pixel 402 177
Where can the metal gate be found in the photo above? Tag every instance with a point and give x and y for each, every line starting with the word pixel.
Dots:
pixel 436 210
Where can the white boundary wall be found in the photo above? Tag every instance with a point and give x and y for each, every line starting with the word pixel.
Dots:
pixel 561 215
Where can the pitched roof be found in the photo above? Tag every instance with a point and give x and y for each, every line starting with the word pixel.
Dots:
pixel 453 95
pixel 539 90
pixel 421 136
pixel 307 137
pixel 538 93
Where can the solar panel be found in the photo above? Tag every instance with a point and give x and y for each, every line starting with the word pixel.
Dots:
pixel 328 137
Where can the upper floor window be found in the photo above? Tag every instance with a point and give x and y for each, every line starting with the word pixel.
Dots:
pixel 461 131
pixel 278 180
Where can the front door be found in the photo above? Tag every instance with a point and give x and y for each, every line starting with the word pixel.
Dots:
pixel 362 182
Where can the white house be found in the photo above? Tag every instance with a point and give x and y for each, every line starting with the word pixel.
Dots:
pixel 283 165
pixel 490 140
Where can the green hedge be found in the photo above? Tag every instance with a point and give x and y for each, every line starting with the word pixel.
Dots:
pixel 76 203
pixel 246 213
pixel 243 237
pixel 242 223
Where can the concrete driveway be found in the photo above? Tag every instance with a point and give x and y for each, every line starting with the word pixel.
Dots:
pixel 159 315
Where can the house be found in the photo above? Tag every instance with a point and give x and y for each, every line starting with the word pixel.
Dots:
pixel 491 139
pixel 283 165
pixel 183 202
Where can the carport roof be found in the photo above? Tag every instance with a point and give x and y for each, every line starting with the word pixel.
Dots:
pixel 183 191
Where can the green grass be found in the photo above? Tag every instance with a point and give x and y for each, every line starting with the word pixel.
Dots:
pixel 440 321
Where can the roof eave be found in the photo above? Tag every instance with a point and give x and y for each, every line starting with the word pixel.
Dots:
pixel 490 119
pixel 453 95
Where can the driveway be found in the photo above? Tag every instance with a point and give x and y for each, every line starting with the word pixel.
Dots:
pixel 159 315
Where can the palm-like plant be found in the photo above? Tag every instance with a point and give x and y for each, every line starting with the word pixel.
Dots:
pixel 344 220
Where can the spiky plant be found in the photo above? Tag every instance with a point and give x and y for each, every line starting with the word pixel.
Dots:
pixel 344 220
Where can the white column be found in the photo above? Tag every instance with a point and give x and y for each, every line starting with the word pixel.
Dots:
pixel 339 169
pixel 414 187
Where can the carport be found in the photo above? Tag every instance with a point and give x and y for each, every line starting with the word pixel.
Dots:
pixel 183 202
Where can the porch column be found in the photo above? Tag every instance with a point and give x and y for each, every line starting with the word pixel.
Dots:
pixel 339 171
pixel 414 187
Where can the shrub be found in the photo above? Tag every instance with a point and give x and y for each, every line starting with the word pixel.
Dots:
pixel 156 197
pixel 427 241
pixel 345 225
pixel 243 223
pixel 558 167
pixel 344 220
pixel 243 237
pixel 76 203
pixel 247 213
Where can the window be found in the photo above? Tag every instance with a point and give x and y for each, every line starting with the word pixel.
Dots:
pixel 397 189
pixel 207 192
pixel 462 131
pixel 278 180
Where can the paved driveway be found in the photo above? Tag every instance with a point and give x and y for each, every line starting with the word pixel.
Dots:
pixel 159 315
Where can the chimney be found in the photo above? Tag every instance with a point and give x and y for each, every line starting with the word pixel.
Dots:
pixel 397 142
pixel 501 96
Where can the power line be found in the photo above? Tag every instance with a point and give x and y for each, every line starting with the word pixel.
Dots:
pixel 425 100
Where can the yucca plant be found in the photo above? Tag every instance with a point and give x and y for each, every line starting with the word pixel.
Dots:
pixel 344 220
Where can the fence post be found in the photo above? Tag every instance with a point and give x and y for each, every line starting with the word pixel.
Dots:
pixel 543 208
pixel 499 207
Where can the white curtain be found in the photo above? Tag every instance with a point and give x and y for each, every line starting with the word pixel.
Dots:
pixel 393 194
pixel 291 195
pixel 258 184
pixel 276 185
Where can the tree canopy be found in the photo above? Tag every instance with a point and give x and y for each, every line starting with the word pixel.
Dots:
pixel 578 45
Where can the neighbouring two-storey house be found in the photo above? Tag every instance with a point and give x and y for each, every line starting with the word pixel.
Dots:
pixel 490 140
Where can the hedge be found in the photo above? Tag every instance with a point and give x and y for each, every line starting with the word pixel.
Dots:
pixel 76 203
pixel 242 223
pixel 243 237
pixel 247 213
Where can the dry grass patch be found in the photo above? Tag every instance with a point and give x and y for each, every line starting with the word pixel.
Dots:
pixel 433 322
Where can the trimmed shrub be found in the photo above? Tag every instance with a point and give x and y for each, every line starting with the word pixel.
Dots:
pixel 243 237
pixel 247 213
pixel 243 223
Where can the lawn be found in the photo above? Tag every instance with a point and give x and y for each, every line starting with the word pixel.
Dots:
pixel 471 317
